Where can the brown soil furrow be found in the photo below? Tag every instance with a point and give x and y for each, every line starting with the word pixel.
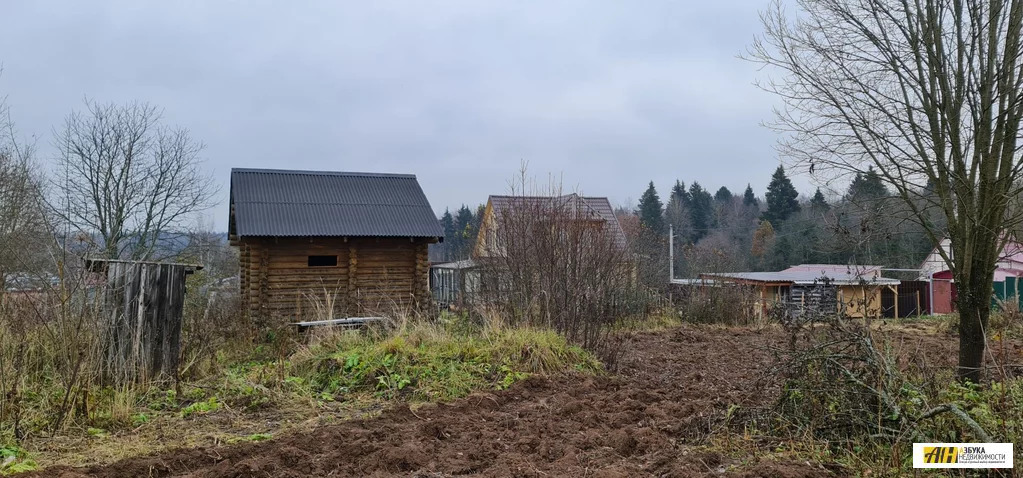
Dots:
pixel 646 420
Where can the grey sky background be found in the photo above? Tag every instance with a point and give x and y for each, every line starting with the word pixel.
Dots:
pixel 606 94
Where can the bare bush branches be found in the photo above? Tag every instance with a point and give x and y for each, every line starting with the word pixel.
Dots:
pixel 704 302
pixel 556 260
pixel 843 386
pixel 23 225
pixel 125 176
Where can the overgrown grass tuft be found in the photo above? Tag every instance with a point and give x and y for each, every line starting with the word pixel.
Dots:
pixel 427 361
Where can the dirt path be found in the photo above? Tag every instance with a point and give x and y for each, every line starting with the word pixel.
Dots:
pixel 671 388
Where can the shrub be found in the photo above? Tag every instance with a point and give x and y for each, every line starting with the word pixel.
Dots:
pixel 846 388
pixel 552 260
pixel 713 304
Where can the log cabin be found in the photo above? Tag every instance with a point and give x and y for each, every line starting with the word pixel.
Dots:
pixel 322 245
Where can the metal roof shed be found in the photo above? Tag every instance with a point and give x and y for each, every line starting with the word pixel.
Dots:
pixel 320 244
pixel 856 289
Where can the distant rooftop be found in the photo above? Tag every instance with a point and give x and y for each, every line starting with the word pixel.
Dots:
pixel 808 274
pixel 581 207
pixel 462 264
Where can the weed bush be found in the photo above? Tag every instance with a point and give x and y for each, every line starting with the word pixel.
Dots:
pixel 846 389
pixel 727 305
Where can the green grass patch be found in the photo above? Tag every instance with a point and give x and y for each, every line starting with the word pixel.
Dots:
pixel 434 361
pixel 201 408
pixel 15 460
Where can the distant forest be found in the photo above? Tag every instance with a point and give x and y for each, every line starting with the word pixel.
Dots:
pixel 460 231
pixel 725 231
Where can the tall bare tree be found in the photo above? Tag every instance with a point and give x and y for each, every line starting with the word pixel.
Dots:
pixel 23 236
pixel 124 175
pixel 928 92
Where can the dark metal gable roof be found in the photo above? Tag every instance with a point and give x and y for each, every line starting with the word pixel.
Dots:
pixel 275 203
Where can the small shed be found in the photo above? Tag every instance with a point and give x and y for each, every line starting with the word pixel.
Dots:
pixel 454 283
pixel 853 290
pixel 320 244
pixel 141 305
pixel 943 293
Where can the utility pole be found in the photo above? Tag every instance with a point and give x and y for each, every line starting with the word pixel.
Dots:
pixel 671 253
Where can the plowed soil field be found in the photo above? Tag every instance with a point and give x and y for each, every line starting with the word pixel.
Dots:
pixel 648 419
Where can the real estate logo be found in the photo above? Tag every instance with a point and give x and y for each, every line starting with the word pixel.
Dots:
pixel 941 454
pixel 962 455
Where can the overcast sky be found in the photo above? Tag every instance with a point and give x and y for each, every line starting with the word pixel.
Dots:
pixel 607 94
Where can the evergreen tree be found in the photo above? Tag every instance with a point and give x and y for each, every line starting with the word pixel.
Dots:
pixel 748 198
pixel 867 186
pixel 701 211
pixel 447 221
pixel 782 253
pixel 679 193
pixel 651 214
pixel 781 198
pixel 723 195
pixel 676 213
pixel 477 220
pixel 464 232
pixel 818 203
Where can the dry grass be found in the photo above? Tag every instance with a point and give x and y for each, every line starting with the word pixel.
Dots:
pixel 165 431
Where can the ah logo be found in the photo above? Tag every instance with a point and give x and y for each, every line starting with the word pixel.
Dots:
pixel 941 454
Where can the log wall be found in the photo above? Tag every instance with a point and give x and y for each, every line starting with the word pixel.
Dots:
pixel 373 276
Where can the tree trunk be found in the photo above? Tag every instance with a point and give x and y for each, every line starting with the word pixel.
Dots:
pixel 974 304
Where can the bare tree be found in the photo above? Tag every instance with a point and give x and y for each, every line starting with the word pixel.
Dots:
pixel 22 223
pixel 211 249
pixel 125 176
pixel 929 94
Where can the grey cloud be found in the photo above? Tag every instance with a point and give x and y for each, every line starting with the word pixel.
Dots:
pixel 608 94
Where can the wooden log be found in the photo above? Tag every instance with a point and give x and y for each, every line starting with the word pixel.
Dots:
pixel 353 270
pixel 264 284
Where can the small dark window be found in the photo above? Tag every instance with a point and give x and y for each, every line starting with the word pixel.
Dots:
pixel 322 261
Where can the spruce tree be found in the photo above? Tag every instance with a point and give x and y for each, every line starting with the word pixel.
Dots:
pixel 780 197
pixel 651 213
pixel 818 203
pixel 701 211
pixel 464 232
pixel 676 212
pixel 867 186
pixel 723 195
pixel 679 193
pixel 748 198
pixel 447 222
